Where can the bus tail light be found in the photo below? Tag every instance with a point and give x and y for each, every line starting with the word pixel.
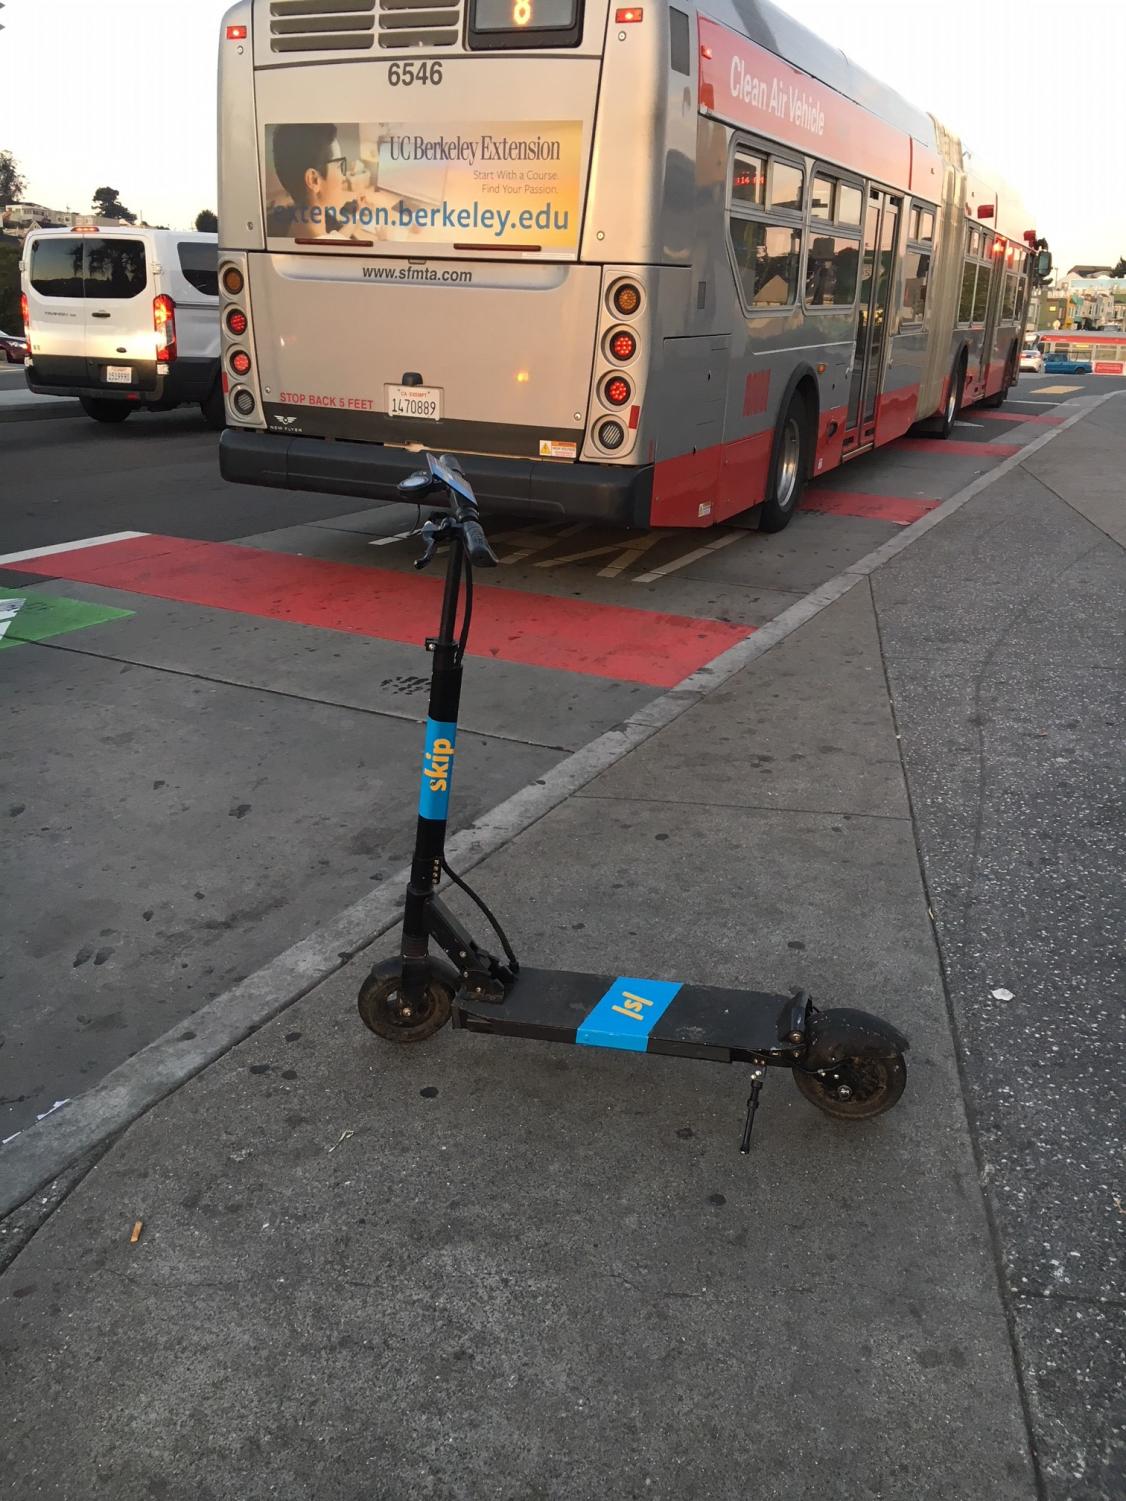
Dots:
pixel 626 299
pixel 610 434
pixel 630 13
pixel 236 33
pixel 236 322
pixel 240 362
pixel 616 391
pixel 164 322
pixel 622 345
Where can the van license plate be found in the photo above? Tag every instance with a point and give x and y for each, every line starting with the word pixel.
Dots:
pixel 119 375
pixel 415 401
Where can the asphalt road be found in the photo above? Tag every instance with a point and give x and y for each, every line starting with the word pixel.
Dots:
pixel 222 752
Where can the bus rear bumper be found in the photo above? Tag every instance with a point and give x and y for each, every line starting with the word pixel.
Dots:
pixel 604 493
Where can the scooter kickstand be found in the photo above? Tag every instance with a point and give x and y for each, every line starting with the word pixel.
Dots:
pixel 758 1074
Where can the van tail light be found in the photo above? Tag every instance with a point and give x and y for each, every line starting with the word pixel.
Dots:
pixel 164 322
pixel 25 314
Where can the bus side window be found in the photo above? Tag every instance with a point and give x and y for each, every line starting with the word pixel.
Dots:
pixel 680 41
pixel 966 301
pixel 767 198
pixel 850 200
pixel 767 256
pixel 830 271
pixel 916 272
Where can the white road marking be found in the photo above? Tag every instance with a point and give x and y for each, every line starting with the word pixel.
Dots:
pixel 967 424
pixel 9 609
pixel 395 537
pixel 691 557
pixel 622 553
pixel 46 552
pixel 535 542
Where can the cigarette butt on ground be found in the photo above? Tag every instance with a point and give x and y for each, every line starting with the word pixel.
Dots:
pixel 137 1228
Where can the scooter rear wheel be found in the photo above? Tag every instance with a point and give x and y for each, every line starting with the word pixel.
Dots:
pixel 855 1089
pixel 384 1012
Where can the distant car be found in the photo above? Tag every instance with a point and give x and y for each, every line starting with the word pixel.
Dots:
pixel 1032 360
pixel 14 347
pixel 1057 364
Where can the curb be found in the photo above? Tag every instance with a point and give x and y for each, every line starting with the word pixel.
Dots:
pixel 44 1150
pixel 36 408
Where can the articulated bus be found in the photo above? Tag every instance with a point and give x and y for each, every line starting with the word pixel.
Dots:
pixel 647 265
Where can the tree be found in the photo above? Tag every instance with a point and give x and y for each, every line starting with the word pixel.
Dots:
pixel 13 184
pixel 1120 269
pixel 10 286
pixel 107 205
pixel 207 221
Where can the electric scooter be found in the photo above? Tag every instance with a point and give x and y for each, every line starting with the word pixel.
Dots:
pixel 848 1063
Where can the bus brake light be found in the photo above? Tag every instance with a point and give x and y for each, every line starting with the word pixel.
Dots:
pixel 236 33
pixel 630 13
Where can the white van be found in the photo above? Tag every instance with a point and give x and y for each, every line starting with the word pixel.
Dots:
pixel 122 319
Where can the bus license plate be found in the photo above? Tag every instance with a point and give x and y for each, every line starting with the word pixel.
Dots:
pixel 119 375
pixel 415 401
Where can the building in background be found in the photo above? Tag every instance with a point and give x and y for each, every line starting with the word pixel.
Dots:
pixel 18 220
pixel 1088 297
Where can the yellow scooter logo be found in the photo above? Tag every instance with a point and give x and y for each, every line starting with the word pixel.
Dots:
pixel 437 765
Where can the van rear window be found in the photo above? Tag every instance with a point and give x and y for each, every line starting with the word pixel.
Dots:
pixel 82 266
pixel 56 267
pixel 115 268
pixel 200 264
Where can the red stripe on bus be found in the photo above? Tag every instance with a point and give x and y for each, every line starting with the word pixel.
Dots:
pixel 536 630
pixel 953 446
pixel 900 509
pixel 1037 420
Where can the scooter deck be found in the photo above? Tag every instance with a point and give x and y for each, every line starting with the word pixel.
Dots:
pixel 636 1016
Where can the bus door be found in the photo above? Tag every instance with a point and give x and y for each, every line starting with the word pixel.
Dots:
pixel 873 315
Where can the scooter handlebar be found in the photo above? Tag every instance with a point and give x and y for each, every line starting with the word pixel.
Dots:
pixel 477 546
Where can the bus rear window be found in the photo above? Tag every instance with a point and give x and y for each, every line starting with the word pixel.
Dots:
pixel 524 23
pixel 200 265
pixel 56 267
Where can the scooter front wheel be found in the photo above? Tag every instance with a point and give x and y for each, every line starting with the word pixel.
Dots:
pixel 384 1011
pixel 855 1089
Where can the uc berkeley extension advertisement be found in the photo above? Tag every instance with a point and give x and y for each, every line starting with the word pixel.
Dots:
pixel 505 184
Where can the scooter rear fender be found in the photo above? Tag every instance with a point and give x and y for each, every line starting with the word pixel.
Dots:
pixel 847 1033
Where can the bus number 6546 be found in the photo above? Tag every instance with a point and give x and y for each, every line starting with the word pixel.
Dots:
pixel 406 73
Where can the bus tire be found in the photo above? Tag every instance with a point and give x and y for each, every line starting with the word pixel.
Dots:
pixel 949 414
pixel 104 411
pixel 998 397
pixel 789 467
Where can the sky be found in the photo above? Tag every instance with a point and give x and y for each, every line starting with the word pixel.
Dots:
pixel 122 92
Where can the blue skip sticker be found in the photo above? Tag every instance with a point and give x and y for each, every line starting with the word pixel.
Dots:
pixel 626 1014
pixel 437 769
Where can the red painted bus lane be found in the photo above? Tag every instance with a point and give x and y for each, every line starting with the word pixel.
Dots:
pixel 899 509
pixel 537 630
pixel 1037 419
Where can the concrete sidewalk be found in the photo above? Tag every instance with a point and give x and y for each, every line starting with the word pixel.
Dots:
pixel 21 405
pixel 498 1269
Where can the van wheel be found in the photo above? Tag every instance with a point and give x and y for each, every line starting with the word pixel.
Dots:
pixel 104 411
pixel 789 466
pixel 214 410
